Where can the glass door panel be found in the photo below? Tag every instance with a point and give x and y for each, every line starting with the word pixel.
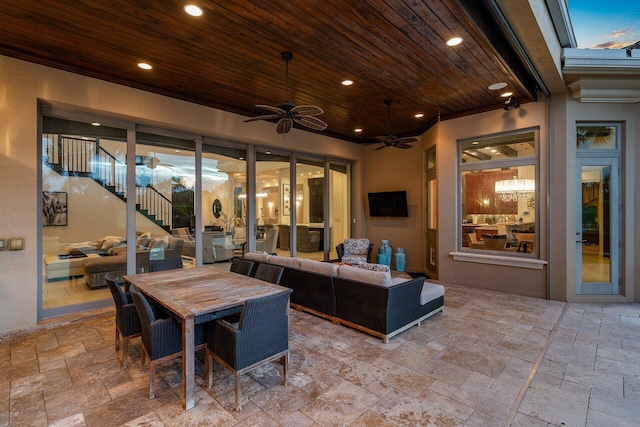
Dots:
pixel 84 179
pixel 274 202
pixel 224 199
pixel 598 234
pixel 339 207
pixel 165 203
pixel 309 205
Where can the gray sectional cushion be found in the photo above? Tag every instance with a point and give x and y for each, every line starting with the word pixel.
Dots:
pixel 258 256
pixel 430 292
pixel 372 277
pixel 285 261
pixel 326 268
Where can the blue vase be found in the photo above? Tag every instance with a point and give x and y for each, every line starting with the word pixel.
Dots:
pixel 386 250
pixel 382 259
pixel 400 259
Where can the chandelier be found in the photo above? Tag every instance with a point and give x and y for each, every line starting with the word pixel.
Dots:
pixel 509 190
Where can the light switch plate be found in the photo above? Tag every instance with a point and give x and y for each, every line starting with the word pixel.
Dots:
pixel 16 244
pixel 3 244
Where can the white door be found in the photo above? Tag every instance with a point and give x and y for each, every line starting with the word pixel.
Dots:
pixel 598 226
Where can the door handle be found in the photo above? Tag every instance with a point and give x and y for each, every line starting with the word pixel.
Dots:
pixel 581 241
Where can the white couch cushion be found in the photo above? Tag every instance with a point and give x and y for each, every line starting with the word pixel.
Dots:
pixel 373 277
pixel 374 267
pixel 258 256
pixel 285 261
pixel 326 268
pixel 430 291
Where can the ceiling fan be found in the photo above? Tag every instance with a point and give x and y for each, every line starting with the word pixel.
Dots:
pixel 287 112
pixel 390 140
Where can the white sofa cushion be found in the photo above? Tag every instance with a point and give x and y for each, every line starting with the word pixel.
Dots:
pixel 326 268
pixel 258 256
pixel 430 291
pixel 285 261
pixel 372 277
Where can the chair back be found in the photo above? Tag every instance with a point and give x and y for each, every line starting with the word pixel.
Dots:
pixel 119 297
pixel 165 264
pixel 242 266
pixel 261 316
pixel 269 243
pixel 494 242
pixel 269 273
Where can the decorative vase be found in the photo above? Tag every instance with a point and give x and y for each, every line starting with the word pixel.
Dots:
pixel 400 259
pixel 386 250
pixel 382 259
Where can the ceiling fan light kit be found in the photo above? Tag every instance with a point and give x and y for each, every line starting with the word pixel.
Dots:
pixel 390 140
pixel 287 112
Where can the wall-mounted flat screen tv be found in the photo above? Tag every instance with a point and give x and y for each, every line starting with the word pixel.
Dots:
pixel 388 203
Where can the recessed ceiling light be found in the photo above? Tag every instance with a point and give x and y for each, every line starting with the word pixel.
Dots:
pixel 347 82
pixel 193 10
pixel 177 151
pixel 494 151
pixel 475 143
pixel 455 41
pixel 144 66
pixel 498 86
pixel 95 124
pixel 358 130
pixel 506 94
pixel 240 158
pixel 267 152
pixel 419 115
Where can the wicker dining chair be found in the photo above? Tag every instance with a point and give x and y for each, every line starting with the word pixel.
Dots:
pixel 161 338
pixel 242 266
pixel 127 319
pixel 260 336
pixel 269 273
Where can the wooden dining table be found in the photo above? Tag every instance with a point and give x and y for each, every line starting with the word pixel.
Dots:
pixel 194 296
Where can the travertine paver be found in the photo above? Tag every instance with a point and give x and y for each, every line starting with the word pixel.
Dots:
pixel 465 367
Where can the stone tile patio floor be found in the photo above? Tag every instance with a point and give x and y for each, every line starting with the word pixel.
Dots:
pixel 491 359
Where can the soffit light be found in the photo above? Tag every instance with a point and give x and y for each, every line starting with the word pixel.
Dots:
pixel 144 66
pixel 454 41
pixel 419 115
pixel 347 82
pixel 509 190
pixel 358 130
pixel 497 86
pixel 95 124
pixel 506 94
pixel 193 10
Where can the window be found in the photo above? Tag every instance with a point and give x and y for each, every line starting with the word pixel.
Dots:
pixel 498 177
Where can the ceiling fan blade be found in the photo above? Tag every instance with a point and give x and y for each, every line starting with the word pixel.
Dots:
pixel 284 125
pixel 271 108
pixel 382 146
pixel 402 145
pixel 407 140
pixel 307 110
pixel 310 122
pixel 265 117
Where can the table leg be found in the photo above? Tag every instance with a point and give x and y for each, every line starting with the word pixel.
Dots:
pixel 188 363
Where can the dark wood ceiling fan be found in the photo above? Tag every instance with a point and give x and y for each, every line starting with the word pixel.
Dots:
pixel 390 140
pixel 287 112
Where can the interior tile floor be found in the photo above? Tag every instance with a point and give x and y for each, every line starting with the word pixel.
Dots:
pixel 491 359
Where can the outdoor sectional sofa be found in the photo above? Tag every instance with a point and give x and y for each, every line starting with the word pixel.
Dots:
pixel 366 300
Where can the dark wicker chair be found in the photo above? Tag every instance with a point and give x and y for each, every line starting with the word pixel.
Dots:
pixel 269 273
pixel 261 336
pixel 161 338
pixel 242 266
pixel 127 320
pixel 172 263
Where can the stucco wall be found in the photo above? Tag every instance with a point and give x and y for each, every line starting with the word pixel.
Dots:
pixel 21 86
pixel 512 279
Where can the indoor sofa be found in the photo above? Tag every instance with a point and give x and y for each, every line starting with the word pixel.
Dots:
pixel 367 300
pixel 159 248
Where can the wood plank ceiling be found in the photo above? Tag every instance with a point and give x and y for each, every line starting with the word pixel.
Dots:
pixel 229 58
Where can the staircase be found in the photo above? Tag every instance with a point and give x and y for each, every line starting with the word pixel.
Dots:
pixel 84 157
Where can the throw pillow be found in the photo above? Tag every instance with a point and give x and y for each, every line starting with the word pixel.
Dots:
pixel 374 267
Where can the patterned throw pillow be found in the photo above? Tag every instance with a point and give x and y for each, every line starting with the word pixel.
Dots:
pixel 356 246
pixel 374 267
